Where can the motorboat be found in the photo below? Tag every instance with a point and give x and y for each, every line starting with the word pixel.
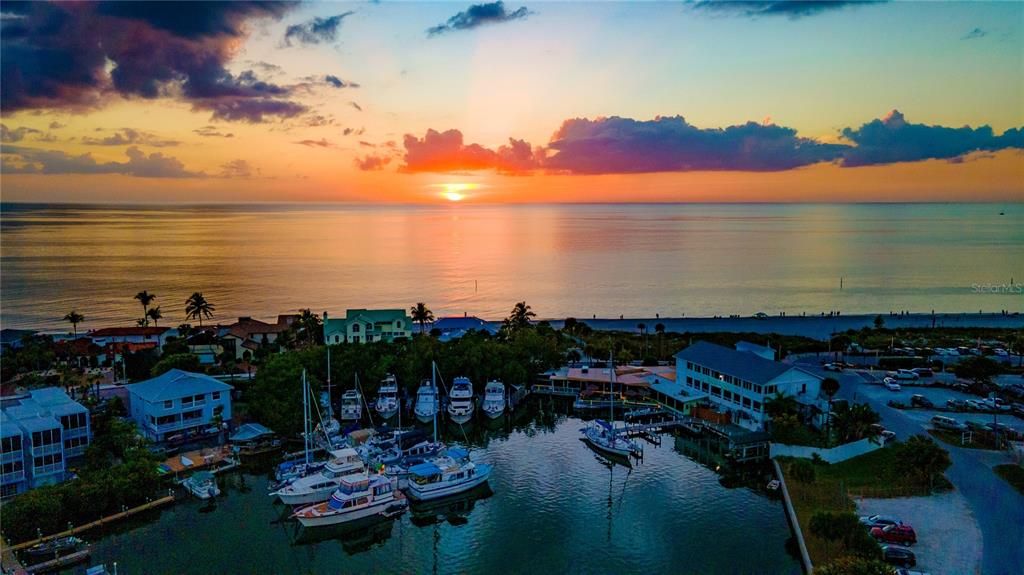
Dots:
pixel 448 475
pixel 494 399
pixel 319 486
pixel 427 401
pixel 357 496
pixel 202 484
pixel 460 405
pixel 351 406
pixel 410 444
pixel 387 397
pixel 55 547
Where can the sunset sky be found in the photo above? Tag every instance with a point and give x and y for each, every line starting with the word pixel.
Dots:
pixel 513 102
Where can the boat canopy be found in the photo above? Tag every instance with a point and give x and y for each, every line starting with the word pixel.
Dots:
pixel 458 453
pixel 250 431
pixel 424 469
pixel 603 424
pixel 343 453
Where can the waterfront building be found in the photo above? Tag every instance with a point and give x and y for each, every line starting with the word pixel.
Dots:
pixel 39 432
pixel 178 403
pixel 739 382
pixel 133 335
pixel 247 335
pixel 454 327
pixel 367 325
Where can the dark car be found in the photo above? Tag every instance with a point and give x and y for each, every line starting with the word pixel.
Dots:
pixel 956 404
pixel 919 400
pixel 896 555
pixel 902 534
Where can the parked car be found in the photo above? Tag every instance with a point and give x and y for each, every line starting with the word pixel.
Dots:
pixel 832 367
pixel 976 426
pixel 906 374
pixel 1001 428
pixel 923 371
pixel 977 405
pixel 897 555
pixel 996 404
pixel 1018 409
pixel 956 404
pixel 892 386
pixel 1001 352
pixel 947 423
pixel 921 401
pixel 901 534
pixel 872 521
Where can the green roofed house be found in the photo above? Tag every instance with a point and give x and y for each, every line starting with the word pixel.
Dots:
pixel 366 325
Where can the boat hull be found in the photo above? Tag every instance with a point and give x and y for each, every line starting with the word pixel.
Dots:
pixel 307 497
pixel 605 448
pixel 425 417
pixel 415 493
pixel 334 519
pixel 387 413
pixel 460 417
pixel 494 413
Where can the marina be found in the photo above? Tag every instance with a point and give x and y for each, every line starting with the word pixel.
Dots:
pixel 523 513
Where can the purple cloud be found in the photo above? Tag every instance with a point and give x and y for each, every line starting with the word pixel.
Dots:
pixel 20 160
pixel 478 15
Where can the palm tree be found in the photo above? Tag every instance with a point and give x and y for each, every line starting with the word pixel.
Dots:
pixel 155 315
pixel 196 307
pixel 145 298
pixel 520 317
pixel 829 386
pixel 74 318
pixel 310 325
pixel 659 328
pixel 421 314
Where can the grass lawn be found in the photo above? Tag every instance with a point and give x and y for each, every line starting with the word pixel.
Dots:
pixel 1013 474
pixel 978 440
pixel 870 475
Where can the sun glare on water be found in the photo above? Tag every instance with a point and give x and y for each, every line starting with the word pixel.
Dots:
pixel 456 192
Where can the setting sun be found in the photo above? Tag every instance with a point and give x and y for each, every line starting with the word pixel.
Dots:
pixel 456 192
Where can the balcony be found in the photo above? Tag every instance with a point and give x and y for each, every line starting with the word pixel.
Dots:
pixel 12 477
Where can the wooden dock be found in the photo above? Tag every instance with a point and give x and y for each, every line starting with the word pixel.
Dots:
pixel 59 562
pixel 98 523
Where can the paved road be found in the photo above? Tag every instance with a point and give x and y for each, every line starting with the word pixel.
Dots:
pixel 998 508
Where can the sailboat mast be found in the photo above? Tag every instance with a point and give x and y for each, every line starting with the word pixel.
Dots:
pixel 306 425
pixel 437 400
pixel 330 407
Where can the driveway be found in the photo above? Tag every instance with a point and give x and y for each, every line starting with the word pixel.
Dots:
pixel 996 506
pixel 948 538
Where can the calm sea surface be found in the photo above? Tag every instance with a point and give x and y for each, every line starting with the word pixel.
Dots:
pixel 580 260
pixel 552 506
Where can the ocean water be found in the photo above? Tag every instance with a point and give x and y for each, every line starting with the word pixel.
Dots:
pixel 551 506
pixel 578 260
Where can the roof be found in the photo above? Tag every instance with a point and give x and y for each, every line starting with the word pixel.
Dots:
pixel 424 469
pixel 245 327
pixel 372 315
pixel 39 423
pixel 676 391
pixel 742 364
pixel 250 431
pixel 128 346
pixel 461 323
pixel 127 331
pixel 174 384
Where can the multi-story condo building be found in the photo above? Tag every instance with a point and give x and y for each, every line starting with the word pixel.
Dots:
pixel 367 325
pixel 39 432
pixel 178 403
pixel 741 382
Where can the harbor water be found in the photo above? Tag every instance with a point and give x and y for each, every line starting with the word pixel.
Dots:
pixel 551 506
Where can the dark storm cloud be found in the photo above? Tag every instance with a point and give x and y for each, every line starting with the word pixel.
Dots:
pixel 670 144
pixel 56 55
pixel 892 139
pixel 478 15
pixel 316 31
pixel 20 160
pixel 789 8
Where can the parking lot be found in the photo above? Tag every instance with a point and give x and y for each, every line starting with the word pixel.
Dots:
pixel 948 538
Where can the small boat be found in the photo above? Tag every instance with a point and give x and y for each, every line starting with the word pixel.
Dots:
pixel 202 484
pixel 351 406
pixel 460 406
pixel 603 437
pixel 454 473
pixel 55 547
pixel 494 399
pixel 427 402
pixel 319 486
pixel 774 485
pixel 387 398
pixel 358 496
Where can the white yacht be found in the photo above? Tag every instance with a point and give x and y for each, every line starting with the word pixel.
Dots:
pixel 444 476
pixel 351 406
pixel 387 397
pixel 460 404
pixel 357 496
pixel 427 401
pixel 319 486
pixel 202 484
pixel 494 399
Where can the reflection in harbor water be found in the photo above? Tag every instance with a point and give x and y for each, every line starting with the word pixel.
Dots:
pixel 551 505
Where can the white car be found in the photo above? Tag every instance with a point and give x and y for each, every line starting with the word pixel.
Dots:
pixel 891 385
pixel 907 374
pixel 977 405
pixel 1001 352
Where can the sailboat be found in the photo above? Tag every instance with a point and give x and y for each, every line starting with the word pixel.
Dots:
pixel 601 435
pixel 291 470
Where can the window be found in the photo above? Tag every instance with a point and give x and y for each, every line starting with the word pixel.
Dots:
pixel 398 324
pixel 757 405
pixel 45 437
pixel 746 402
pixel 169 404
pixel 74 442
pixel 355 328
pixel 335 339
pixel 48 460
pixel 803 388
pixel 757 389
pixel 355 339
pixel 215 396
pixel 12 467
pixel 192 415
pixel 73 421
pixel 11 444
